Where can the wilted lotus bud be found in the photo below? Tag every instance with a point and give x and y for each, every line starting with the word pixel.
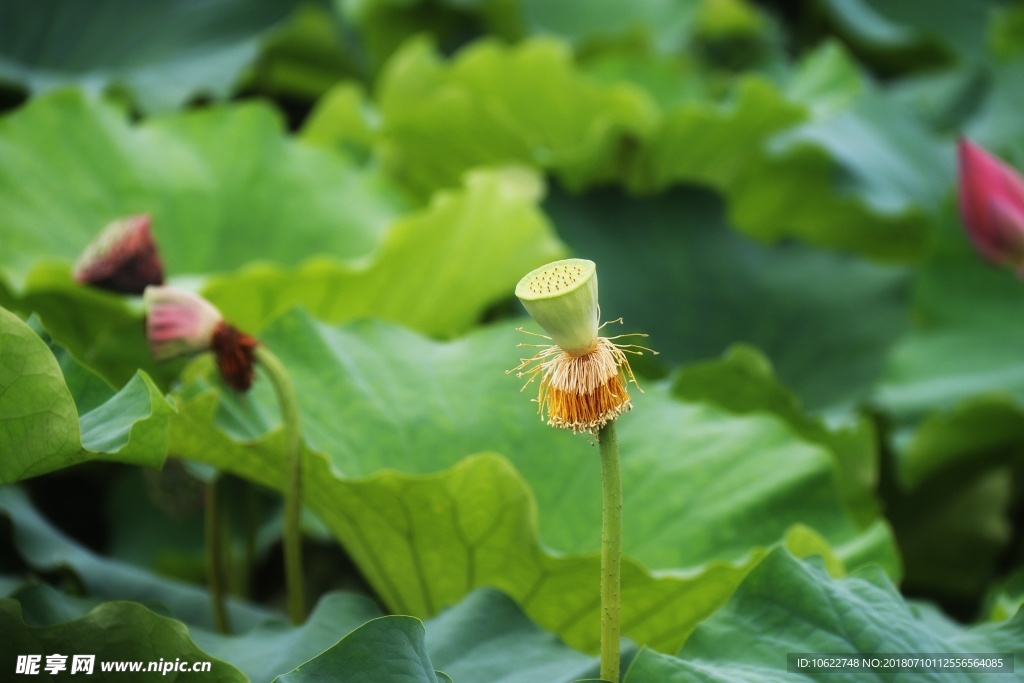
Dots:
pixel 991 197
pixel 182 323
pixel 583 376
pixel 123 258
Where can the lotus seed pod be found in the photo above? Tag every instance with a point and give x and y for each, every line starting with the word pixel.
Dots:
pixel 562 298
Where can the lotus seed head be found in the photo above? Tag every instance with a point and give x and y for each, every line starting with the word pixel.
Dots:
pixel 562 298
pixel 583 376
pixel 560 277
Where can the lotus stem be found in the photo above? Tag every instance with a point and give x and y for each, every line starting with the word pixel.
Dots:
pixel 293 491
pixel 214 528
pixel 611 552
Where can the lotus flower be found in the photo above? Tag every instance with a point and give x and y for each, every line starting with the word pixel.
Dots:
pixel 583 376
pixel 123 258
pixel 182 323
pixel 991 197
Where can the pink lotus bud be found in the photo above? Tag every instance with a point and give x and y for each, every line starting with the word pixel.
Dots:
pixel 991 196
pixel 123 258
pixel 178 322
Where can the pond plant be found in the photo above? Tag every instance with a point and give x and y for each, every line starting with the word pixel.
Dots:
pixel 182 323
pixel 262 290
pixel 582 388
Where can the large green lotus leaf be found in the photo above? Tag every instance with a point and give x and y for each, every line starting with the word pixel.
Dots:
pixel 43 605
pixel 378 398
pixel 87 388
pixel 742 381
pixel 436 270
pixel 276 647
pixel 162 52
pixel 787 606
pixel 496 104
pixel 40 427
pixel 113 632
pixel 46 549
pixel 385 649
pixel 958 26
pixel 698 287
pixel 485 638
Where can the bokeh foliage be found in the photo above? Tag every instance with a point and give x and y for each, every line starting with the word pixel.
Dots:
pixel 768 190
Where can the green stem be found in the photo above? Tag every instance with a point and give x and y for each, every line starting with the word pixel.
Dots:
pixel 293 491
pixel 611 552
pixel 252 514
pixel 214 532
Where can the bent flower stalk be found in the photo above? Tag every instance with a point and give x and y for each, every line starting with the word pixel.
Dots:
pixel 181 323
pixel 583 379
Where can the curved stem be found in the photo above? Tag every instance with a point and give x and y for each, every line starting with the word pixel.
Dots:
pixel 214 533
pixel 611 551
pixel 293 491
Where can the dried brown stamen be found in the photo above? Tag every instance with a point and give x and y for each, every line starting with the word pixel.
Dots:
pixel 235 353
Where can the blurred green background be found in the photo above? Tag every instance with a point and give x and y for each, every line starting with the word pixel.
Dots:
pixel 768 189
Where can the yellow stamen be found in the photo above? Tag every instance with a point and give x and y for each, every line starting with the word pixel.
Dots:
pixel 581 392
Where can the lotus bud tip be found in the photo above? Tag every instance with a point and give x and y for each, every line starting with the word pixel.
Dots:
pixel 990 194
pixel 123 258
